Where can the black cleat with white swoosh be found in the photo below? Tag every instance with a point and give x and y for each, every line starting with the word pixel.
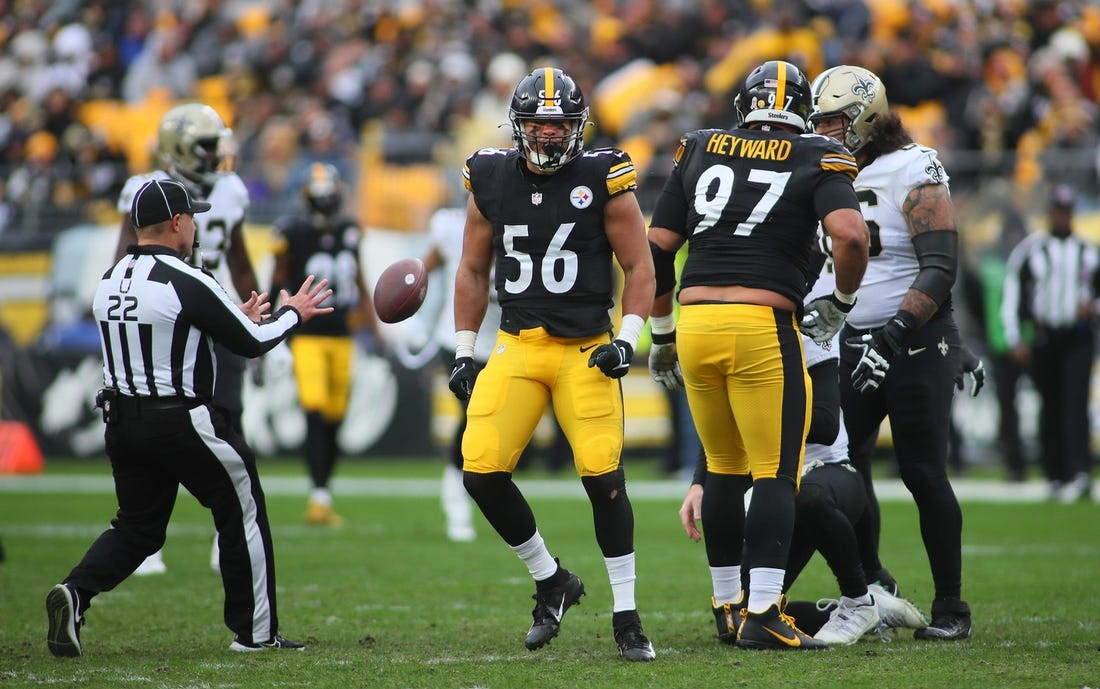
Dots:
pixel 550 607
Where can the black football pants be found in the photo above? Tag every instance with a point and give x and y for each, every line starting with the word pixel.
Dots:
pixel 154 450
pixel 916 395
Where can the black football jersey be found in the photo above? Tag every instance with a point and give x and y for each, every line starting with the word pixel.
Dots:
pixel 332 254
pixel 749 202
pixel 553 258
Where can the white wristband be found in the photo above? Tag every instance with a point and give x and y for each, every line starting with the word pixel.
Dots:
pixel 843 298
pixel 631 329
pixel 662 325
pixel 464 343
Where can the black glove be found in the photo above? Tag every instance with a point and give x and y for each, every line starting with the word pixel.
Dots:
pixel 463 374
pixel 824 318
pixel 970 365
pixel 878 348
pixel 613 358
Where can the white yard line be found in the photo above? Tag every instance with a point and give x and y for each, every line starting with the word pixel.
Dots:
pixel 967 490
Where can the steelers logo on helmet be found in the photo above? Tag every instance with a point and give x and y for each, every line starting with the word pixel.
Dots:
pixel 323 190
pixel 548 95
pixel 775 92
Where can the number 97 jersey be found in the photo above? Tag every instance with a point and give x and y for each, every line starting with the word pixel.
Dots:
pixel 749 202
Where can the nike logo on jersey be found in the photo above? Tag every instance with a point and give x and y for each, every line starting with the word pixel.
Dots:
pixel 585 349
pixel 918 350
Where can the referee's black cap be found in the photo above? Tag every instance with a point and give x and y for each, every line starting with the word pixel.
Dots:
pixel 159 200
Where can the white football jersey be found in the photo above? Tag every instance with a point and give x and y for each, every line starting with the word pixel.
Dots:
pixel 882 188
pixel 229 201
pixel 445 230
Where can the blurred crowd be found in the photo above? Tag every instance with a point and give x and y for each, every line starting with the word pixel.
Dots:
pixel 396 93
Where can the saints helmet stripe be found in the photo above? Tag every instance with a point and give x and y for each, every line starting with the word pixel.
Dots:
pixel 548 86
pixel 781 88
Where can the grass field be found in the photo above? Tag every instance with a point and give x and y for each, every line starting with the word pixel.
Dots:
pixel 388 602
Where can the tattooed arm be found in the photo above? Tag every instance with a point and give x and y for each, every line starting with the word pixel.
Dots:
pixel 930 215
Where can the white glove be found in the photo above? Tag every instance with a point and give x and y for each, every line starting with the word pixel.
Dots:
pixel 664 365
pixel 824 317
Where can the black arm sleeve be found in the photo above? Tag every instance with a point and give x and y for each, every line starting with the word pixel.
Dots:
pixel 221 319
pixel 825 418
pixel 938 256
pixel 700 475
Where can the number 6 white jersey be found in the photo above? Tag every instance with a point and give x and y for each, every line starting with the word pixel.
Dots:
pixel 882 188
pixel 229 201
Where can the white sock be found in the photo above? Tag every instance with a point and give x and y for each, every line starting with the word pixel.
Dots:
pixel 765 587
pixel 727 584
pixel 540 563
pixel 456 503
pixel 321 496
pixel 620 572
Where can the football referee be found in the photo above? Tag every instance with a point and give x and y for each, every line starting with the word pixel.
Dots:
pixel 1053 282
pixel 159 318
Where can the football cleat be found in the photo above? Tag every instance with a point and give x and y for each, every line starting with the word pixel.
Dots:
pixel 950 621
pixel 774 630
pixel 320 514
pixel 63 611
pixel 848 622
pixel 727 617
pixel 897 612
pixel 632 641
pixel 550 607
pixel 277 643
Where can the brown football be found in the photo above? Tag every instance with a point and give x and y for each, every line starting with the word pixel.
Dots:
pixel 400 290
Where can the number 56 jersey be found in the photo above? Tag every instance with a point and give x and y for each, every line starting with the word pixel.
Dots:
pixel 749 202
pixel 552 255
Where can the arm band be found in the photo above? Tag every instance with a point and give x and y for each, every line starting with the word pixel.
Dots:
pixel 464 343
pixel 663 329
pixel 937 254
pixel 631 329
pixel 664 268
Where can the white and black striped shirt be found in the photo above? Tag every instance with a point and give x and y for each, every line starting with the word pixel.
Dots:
pixel 158 317
pixel 1047 281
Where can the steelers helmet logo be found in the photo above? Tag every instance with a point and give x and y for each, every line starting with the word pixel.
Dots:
pixel 581 197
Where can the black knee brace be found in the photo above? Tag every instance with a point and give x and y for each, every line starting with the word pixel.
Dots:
pixel 612 515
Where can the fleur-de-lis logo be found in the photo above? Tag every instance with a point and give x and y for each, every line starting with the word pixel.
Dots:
pixel 864 89
pixel 935 171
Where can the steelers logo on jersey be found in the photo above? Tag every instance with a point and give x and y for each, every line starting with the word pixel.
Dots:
pixel 581 197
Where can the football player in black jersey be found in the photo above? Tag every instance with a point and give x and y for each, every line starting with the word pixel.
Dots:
pixel 749 199
pixel 552 216
pixel 324 242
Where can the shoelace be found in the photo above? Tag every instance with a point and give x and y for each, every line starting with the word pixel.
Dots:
pixel 823 603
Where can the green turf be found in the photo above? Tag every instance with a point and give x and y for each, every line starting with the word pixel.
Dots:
pixel 387 601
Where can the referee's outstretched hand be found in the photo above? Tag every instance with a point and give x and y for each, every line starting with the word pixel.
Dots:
pixel 256 307
pixel 308 299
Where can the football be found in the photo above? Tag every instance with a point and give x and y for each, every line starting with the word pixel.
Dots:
pixel 400 290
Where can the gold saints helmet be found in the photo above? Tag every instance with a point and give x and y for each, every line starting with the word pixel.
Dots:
pixel 193 142
pixel 854 92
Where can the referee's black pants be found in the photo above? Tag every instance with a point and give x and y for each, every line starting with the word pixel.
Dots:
pixel 916 395
pixel 154 447
pixel 1062 359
